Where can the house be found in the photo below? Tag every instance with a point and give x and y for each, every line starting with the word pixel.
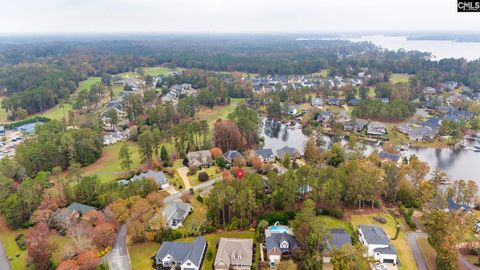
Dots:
pixel 234 253
pixel 28 128
pixel 453 206
pixel 324 118
pixel 339 238
pixel 429 91
pixel 183 255
pixel 376 128
pixel 175 213
pixel 432 122
pixel 70 214
pixel 390 157
pixel 377 243
pixel 334 102
pixel 294 154
pixel 232 155
pixel 384 100
pixel 279 241
pixel 200 158
pixel 317 102
pixel 422 133
pixel 158 177
pixel 450 85
pixel 354 101
pixel 266 155
pixel 404 128
pixel 292 110
pixel 2 130
pixel 358 126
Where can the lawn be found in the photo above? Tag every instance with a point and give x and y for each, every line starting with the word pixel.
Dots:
pixel 141 253
pixel 108 166
pixel 7 236
pixel 332 222
pixel 399 77
pixel 152 71
pixel 428 253
pixel 61 243
pixel 212 173
pixel 3 113
pixel 218 112
pixel 212 240
pixel 405 255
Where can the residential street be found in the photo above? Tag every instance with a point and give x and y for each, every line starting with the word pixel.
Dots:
pixel 203 185
pixel 4 264
pixel 412 242
pixel 467 264
pixel 118 258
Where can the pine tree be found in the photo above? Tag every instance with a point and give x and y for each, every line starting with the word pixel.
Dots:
pixel 125 157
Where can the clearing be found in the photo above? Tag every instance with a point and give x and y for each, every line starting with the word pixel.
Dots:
pixel 399 78
pixel 218 112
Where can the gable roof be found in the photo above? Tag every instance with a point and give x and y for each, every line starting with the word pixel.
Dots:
pixel 340 237
pixel 374 235
pixel 199 158
pixel 234 251
pixel 232 154
pixel 158 177
pixel 81 208
pixel 390 156
pixel 284 150
pixel 176 210
pixel 274 240
pixel 453 206
pixel 182 251
pixel 264 153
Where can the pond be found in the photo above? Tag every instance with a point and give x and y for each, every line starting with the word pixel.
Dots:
pixel 277 135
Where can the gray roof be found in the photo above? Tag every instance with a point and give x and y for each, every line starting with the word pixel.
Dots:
pixel 81 208
pixel 176 210
pixel 199 158
pixel 284 150
pixel 374 235
pixel 275 239
pixel 390 156
pixel 159 177
pixel 181 251
pixel 386 250
pixel 264 153
pixel 340 237
pixel 232 154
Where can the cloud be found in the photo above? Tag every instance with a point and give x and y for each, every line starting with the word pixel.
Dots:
pixel 35 16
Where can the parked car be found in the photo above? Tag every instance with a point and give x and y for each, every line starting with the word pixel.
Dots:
pixel 380 266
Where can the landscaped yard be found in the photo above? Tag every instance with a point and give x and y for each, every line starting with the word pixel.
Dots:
pixel 3 113
pixel 152 71
pixel 405 255
pixel 141 253
pixel 428 252
pixel 7 236
pixel 399 77
pixel 212 173
pixel 60 242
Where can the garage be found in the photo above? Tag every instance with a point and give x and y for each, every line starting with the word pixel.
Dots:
pixel 388 261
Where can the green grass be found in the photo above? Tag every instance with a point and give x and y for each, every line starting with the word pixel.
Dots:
pixel 61 243
pixel 218 112
pixel 332 222
pixel 152 71
pixel 405 256
pixel 109 163
pixel 3 113
pixel 7 236
pixel 210 171
pixel 399 78
pixel 141 253
pixel 428 253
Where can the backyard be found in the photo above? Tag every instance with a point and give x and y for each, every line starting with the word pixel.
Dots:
pixel 399 78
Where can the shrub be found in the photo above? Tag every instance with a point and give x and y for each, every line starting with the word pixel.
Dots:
pixel 192 170
pixel 200 198
pixel 335 212
pixel 20 240
pixel 209 255
pixel 202 176
pixel 282 217
pixel 379 219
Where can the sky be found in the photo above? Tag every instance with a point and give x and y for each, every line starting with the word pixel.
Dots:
pixel 232 16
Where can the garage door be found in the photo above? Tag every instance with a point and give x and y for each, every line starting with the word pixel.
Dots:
pixel 388 260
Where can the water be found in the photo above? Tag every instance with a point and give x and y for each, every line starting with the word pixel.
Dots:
pixel 277 135
pixel 439 49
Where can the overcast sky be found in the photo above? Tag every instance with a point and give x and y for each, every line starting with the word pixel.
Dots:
pixel 246 16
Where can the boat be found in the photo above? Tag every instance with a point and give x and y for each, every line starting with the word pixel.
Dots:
pixel 404 147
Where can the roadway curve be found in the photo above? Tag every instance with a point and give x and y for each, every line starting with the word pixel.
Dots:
pixel 417 253
pixel 118 258
pixel 4 263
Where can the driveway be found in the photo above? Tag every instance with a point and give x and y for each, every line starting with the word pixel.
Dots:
pixel 4 263
pixel 466 264
pixel 118 258
pixel 203 186
pixel 417 253
pixel 183 171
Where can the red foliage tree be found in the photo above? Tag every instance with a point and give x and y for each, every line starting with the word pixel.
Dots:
pixel 38 247
pixel 227 135
pixel 103 234
pixel 68 265
pixel 215 152
pixel 87 260
pixel 256 163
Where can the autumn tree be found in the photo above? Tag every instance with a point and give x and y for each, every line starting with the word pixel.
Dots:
pixel 227 135
pixel 39 248
pixel 104 234
pixel 350 257
pixel 87 260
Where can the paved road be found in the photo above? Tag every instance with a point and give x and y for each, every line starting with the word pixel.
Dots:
pixel 467 264
pixel 204 185
pixel 4 263
pixel 417 253
pixel 118 258
pixel 183 171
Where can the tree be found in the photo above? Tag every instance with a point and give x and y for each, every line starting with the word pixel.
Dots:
pixel 227 135
pixel 104 234
pixel 87 260
pixel 336 155
pixel 112 117
pixel 248 122
pixel 68 265
pixel 350 257
pixel 39 248
pixel 445 231
pixel 124 156
pixel 164 153
pixel 146 144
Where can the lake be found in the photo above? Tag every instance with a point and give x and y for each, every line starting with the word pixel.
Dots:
pixel 277 135
pixel 440 49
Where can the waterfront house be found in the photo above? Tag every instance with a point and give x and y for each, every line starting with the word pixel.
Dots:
pixel 454 206
pixel 339 238
pixel 266 155
pixel 376 128
pixel 175 213
pixel 292 152
pixel 234 253
pixel 183 255
pixel 317 102
pixel 422 133
pixel 200 158
pixel 279 241
pixel 377 243
pixel 324 118
pixel 232 155
pixel 390 157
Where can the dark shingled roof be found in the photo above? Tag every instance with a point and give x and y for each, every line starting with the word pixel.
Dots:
pixel 82 208
pixel 264 153
pixel 340 237
pixel 181 252
pixel 386 155
pixel 374 235
pixel 275 239
pixel 386 250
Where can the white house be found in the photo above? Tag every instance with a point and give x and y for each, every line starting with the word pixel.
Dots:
pixel 378 244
